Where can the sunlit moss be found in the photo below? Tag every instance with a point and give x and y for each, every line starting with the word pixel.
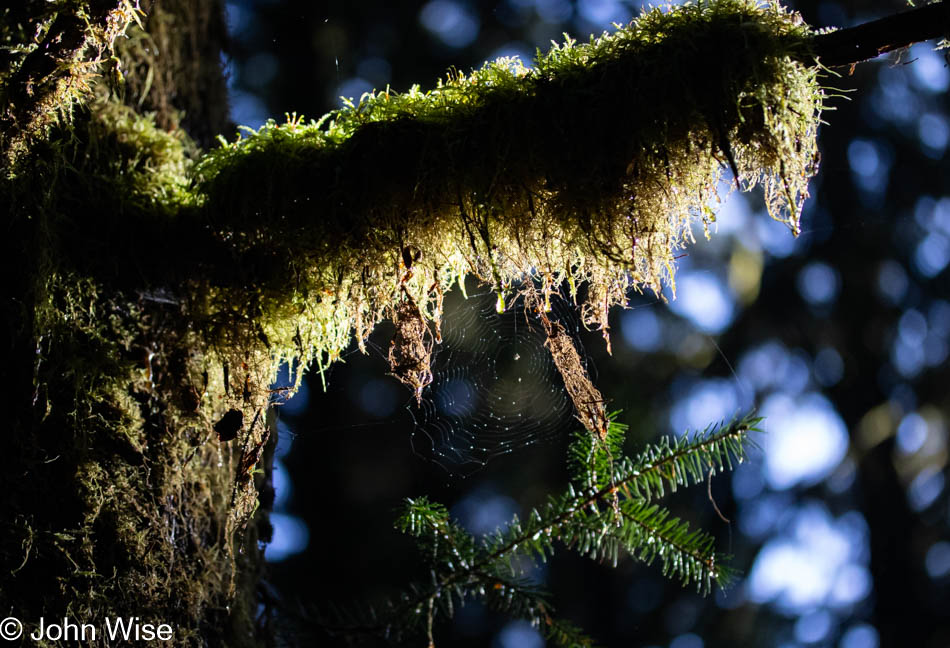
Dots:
pixel 590 167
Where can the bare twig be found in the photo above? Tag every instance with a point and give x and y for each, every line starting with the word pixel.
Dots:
pixel 857 44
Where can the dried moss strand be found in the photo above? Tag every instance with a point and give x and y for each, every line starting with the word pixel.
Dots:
pixel 587 399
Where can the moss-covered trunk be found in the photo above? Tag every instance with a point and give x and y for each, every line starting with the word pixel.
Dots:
pixel 117 497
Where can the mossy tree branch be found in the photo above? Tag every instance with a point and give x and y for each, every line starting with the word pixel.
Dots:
pixel 593 167
pixel 58 70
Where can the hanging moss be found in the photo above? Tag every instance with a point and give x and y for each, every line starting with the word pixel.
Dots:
pixel 589 167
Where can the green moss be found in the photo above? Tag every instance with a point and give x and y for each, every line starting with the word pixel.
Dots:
pixel 589 167
pixel 158 289
pixel 53 52
pixel 117 427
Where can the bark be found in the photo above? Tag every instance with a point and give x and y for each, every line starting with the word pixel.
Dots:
pixel 172 69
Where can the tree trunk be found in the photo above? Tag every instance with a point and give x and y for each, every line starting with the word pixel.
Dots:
pixel 118 498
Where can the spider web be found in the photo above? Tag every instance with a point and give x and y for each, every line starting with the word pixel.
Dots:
pixel 495 387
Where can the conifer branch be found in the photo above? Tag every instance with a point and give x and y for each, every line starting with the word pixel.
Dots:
pixel 599 521
pixel 680 461
pixel 692 558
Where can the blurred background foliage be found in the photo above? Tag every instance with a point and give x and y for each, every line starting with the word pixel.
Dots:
pixel 839 337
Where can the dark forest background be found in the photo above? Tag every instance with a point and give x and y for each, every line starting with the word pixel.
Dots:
pixel 839 525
